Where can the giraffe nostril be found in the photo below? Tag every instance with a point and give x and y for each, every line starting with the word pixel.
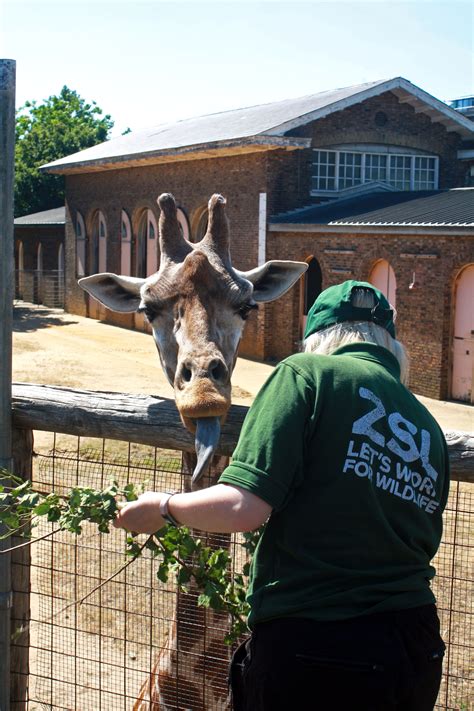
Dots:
pixel 218 370
pixel 186 374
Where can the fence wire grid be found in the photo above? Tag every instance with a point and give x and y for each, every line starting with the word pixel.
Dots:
pixel 98 655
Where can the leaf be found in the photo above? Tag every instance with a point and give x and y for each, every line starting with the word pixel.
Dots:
pixel 163 572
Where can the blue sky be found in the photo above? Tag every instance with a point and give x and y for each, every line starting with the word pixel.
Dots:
pixel 146 62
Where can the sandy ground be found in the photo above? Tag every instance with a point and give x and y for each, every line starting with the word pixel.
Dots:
pixel 56 348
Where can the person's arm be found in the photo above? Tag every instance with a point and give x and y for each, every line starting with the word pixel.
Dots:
pixel 220 508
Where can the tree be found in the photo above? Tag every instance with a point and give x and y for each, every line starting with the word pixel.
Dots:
pixel 60 126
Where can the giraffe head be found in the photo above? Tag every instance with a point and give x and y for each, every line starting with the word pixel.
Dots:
pixel 196 304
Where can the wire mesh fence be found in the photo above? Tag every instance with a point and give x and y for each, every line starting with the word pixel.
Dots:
pixel 100 654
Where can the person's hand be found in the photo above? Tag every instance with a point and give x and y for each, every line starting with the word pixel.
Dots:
pixel 142 515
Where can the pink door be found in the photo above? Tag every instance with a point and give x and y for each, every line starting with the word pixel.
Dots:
pixel 463 340
pixel 382 276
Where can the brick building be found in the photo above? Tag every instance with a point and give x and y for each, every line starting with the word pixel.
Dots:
pixel 39 257
pixel 363 182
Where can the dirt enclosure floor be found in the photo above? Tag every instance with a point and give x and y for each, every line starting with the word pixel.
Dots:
pixel 56 348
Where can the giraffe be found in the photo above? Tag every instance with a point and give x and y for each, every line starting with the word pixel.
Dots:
pixel 197 304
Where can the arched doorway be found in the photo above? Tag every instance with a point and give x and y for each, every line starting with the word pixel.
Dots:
pixel 382 276
pixel 60 279
pixel 125 245
pixel 312 287
pixel 80 246
pixel 463 337
pixel 20 271
pixel 183 223
pixel 145 246
pixel 39 274
pixel 200 224
pixel 97 258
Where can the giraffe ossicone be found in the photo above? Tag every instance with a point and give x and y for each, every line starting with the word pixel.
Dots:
pixel 197 304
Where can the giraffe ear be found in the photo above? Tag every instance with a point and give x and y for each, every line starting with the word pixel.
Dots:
pixel 274 278
pixel 118 293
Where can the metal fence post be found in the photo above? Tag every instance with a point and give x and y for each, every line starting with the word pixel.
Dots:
pixel 7 144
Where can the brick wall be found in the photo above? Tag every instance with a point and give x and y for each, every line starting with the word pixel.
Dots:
pixel 240 179
pixel 49 237
pixel 425 313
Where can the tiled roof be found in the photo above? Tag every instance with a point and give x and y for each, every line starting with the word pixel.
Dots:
pixel 56 216
pixel 444 208
pixel 265 124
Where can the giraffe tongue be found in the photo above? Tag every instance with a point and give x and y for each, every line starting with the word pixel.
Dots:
pixel 208 430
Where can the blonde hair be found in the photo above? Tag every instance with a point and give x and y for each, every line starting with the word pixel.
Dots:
pixel 330 339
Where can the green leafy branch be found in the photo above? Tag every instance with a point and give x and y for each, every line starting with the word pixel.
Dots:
pixel 195 566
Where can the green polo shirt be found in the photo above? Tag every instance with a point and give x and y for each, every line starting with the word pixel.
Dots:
pixel 356 471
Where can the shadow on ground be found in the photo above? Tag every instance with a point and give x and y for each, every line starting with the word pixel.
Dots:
pixel 28 317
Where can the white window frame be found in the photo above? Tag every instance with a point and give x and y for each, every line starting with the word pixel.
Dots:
pixel 364 181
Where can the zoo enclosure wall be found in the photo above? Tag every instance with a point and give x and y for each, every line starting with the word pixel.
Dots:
pixel 100 654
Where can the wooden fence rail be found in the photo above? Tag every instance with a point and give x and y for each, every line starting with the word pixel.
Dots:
pixel 146 419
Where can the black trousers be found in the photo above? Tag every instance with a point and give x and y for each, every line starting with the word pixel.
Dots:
pixel 385 662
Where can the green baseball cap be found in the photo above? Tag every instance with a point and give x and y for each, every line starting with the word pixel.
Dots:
pixel 334 305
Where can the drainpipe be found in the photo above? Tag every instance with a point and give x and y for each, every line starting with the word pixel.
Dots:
pixel 7 143
pixel 262 228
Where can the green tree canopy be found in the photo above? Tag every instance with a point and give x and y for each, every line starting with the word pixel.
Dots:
pixel 60 126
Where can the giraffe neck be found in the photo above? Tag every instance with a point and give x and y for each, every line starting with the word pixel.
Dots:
pixel 190 672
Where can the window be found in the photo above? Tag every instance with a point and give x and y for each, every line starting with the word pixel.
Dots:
pixel 375 168
pixel 145 250
pixel 350 170
pixel 400 172
pixel 425 173
pixel 98 244
pixel 80 246
pixel 337 170
pixel 125 245
pixel 324 174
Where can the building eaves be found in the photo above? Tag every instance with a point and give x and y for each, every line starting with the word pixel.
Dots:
pixel 257 127
pixel 56 216
pixel 191 152
pixel 430 209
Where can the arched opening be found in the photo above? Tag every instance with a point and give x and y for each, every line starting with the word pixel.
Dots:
pixel 80 246
pixel 39 274
pixel 463 337
pixel 125 245
pixel 39 258
pixel 183 223
pixel 145 246
pixel 312 287
pixel 20 270
pixel 200 225
pixel 61 258
pixel 98 244
pixel 60 279
pixel 382 276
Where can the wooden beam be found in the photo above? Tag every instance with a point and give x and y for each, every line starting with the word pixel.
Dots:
pixel 146 419
pixel 7 148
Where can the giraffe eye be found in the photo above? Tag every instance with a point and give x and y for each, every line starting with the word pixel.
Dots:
pixel 245 310
pixel 150 312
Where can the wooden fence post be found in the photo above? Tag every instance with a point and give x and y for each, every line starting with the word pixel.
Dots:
pixel 20 577
pixel 7 146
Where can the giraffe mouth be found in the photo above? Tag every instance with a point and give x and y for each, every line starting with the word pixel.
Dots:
pixel 208 430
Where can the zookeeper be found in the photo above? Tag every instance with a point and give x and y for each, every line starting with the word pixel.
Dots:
pixel 350 472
